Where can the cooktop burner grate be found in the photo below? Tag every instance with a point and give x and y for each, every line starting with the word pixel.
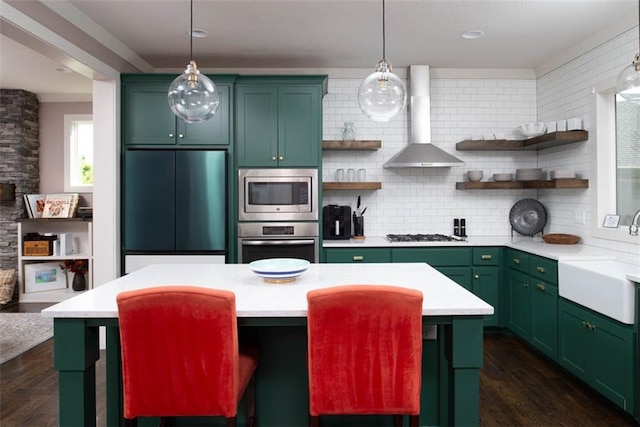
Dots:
pixel 421 238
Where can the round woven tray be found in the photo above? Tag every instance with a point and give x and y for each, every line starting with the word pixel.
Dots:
pixel 560 239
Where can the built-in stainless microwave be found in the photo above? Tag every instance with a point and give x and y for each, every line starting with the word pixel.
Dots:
pixel 278 194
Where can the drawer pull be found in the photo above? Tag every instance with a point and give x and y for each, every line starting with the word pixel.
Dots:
pixel 540 269
pixel 540 287
pixel 516 261
pixel 485 257
pixel 171 135
pixel 358 258
pixel 180 135
pixel 476 276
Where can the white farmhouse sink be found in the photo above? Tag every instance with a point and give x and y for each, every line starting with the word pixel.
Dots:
pixel 601 285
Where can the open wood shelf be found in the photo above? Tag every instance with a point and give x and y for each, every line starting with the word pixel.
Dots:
pixel 351 145
pixel 556 183
pixel 548 140
pixel 351 185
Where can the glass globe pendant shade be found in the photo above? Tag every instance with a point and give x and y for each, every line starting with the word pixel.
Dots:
pixel 193 96
pixel 628 83
pixel 382 95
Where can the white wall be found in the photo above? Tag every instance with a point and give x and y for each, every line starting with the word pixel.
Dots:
pixel 425 200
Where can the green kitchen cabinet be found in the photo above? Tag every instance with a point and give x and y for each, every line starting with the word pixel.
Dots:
pixel 279 121
pixel 600 351
pixel 364 255
pixel 533 300
pixel 147 119
pixel 486 285
pixel 518 303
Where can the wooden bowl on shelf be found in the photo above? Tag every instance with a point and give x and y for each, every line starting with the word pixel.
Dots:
pixel 560 239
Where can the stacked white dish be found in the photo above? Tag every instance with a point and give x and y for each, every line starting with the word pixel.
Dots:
pixel 279 270
pixel 502 177
pixel 528 174
pixel 562 174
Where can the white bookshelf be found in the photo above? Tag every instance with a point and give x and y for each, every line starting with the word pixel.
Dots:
pixel 80 230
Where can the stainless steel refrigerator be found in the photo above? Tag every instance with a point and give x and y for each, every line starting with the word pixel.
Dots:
pixel 175 202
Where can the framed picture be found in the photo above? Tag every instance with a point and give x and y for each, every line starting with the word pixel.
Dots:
pixel 44 276
pixel 35 204
pixel 611 221
pixel 61 205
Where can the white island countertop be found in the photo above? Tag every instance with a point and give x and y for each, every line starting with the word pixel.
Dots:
pixel 256 298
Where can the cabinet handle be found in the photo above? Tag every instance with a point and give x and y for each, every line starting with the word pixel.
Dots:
pixel 281 158
pixel 584 324
pixel 273 158
pixel 180 135
pixel 171 135
pixel 516 261
pixel 540 269
pixel 358 258
pixel 476 276
pixel 525 285
pixel 485 257
pixel 540 287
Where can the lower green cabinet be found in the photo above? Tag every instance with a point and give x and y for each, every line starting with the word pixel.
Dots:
pixel 486 285
pixel 346 255
pixel 533 302
pixel 600 351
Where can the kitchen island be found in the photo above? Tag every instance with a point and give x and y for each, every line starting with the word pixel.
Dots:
pixel 274 318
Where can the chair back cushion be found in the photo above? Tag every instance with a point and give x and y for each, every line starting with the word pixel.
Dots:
pixel 179 351
pixel 365 350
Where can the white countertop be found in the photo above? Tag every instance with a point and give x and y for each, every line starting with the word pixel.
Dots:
pixel 534 245
pixel 256 298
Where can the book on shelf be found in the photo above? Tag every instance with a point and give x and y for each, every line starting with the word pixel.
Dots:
pixel 34 204
pixel 60 205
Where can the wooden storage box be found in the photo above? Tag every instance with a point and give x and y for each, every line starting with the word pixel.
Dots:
pixel 37 248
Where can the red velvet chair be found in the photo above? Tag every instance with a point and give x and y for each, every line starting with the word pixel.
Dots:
pixel 365 351
pixel 180 354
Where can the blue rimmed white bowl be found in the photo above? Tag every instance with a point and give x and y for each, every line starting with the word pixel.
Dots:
pixel 279 270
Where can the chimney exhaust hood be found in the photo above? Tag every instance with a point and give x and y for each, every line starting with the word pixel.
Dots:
pixel 420 153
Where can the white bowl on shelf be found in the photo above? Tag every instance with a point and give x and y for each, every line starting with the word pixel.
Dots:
pixel 502 177
pixel 475 175
pixel 529 130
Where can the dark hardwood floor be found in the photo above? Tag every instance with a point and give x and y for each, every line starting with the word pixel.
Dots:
pixel 518 387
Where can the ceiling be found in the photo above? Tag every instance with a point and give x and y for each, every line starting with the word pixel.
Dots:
pixel 107 36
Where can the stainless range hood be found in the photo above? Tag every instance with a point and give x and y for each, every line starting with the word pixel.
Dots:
pixel 420 153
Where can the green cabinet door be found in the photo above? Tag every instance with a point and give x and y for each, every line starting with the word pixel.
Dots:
pixel 519 309
pixel 148 120
pixel 279 121
pixel 298 126
pixel 486 285
pixel 460 275
pixel 149 200
pixel 257 126
pixel 364 255
pixel 600 351
pixel 146 116
pixel 544 317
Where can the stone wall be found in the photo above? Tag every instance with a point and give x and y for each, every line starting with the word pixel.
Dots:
pixel 19 158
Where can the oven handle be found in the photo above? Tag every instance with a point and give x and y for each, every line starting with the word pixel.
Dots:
pixel 278 242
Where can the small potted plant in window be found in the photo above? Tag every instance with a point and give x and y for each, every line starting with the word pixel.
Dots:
pixel 79 268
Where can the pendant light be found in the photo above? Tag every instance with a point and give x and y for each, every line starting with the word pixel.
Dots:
pixel 628 83
pixel 382 95
pixel 193 97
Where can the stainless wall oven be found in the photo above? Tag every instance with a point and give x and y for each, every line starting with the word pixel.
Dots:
pixel 280 194
pixel 260 240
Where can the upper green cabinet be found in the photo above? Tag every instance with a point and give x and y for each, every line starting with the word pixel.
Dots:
pixel 147 119
pixel 279 121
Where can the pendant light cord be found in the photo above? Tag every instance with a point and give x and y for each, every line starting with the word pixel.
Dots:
pixel 384 56
pixel 191 34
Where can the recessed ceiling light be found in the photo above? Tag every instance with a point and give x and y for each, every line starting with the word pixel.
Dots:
pixel 472 34
pixel 64 70
pixel 199 33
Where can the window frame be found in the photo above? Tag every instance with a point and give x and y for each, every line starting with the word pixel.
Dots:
pixel 604 164
pixel 69 119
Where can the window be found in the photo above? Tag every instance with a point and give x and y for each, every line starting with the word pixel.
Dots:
pixel 78 156
pixel 616 163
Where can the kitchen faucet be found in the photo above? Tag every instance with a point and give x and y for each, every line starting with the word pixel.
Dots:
pixel 635 224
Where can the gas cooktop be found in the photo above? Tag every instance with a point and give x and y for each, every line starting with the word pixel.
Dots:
pixel 423 238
